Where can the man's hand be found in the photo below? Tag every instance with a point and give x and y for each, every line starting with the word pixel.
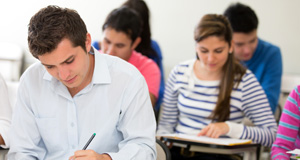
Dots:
pixel 214 130
pixel 89 155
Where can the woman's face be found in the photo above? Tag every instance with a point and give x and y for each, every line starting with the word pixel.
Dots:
pixel 213 53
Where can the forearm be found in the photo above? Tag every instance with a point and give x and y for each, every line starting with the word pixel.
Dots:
pixel 264 135
pixel 278 152
pixel 168 119
pixel 288 129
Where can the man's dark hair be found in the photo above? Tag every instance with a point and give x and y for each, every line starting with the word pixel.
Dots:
pixel 242 18
pixel 49 26
pixel 124 20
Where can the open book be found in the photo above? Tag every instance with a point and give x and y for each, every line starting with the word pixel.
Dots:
pixel 204 139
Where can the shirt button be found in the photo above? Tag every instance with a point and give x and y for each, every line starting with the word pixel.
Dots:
pixel 72 124
pixel 73 147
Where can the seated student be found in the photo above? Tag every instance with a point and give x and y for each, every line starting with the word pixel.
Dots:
pixel 73 92
pixel 262 58
pixel 148 47
pixel 288 134
pixel 5 114
pixel 210 95
pixel 122 29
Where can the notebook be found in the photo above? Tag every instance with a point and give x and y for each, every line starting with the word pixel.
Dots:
pixel 205 139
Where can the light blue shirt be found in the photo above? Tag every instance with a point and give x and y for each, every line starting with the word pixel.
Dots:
pixel 48 123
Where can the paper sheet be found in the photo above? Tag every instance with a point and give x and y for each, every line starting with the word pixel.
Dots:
pixel 205 139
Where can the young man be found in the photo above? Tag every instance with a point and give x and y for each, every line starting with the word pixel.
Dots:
pixel 75 92
pixel 121 30
pixel 261 57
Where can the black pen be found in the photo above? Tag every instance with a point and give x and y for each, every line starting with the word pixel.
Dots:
pixel 88 142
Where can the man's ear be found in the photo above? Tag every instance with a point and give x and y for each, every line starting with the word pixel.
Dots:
pixel 136 43
pixel 88 42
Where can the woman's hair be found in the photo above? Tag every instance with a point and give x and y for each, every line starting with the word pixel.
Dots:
pixel 126 20
pixel 144 46
pixel 218 25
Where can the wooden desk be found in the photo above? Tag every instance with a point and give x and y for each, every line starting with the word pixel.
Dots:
pixel 250 151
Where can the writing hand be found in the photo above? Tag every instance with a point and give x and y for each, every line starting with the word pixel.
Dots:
pixel 214 130
pixel 89 155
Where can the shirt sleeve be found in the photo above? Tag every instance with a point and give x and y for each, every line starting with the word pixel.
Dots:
pixel 170 112
pixel 255 107
pixel 5 113
pixel 137 124
pixel 24 130
pixel 288 127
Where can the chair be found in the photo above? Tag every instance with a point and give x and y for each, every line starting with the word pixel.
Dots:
pixel 11 61
pixel 163 152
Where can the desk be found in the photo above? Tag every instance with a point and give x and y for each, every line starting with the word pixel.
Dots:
pixel 3 153
pixel 250 151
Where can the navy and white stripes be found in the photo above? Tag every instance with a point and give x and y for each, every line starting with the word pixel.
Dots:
pixel 189 101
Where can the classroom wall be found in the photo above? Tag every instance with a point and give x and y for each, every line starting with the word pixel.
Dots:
pixel 172 22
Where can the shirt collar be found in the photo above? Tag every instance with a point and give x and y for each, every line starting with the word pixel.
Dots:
pixel 101 73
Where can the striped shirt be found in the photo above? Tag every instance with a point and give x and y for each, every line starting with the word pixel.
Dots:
pixel 188 102
pixel 288 131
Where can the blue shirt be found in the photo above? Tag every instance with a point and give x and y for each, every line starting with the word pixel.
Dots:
pixel 51 124
pixel 158 60
pixel 266 64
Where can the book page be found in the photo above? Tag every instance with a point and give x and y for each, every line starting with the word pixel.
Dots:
pixel 205 139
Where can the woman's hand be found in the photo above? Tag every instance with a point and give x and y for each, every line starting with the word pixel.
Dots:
pixel 214 130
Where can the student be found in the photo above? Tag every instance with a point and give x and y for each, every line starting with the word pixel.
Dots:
pixel 121 35
pixel 73 92
pixel 288 134
pixel 259 56
pixel 210 95
pixel 148 47
pixel 5 114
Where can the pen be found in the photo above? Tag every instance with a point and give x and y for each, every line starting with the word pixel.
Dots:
pixel 89 141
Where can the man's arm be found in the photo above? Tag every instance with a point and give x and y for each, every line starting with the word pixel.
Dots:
pixel 24 132
pixel 272 79
pixel 137 124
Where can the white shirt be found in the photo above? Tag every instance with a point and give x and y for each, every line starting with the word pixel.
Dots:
pixel 51 124
pixel 5 112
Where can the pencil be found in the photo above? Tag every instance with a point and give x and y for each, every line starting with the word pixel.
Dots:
pixel 89 141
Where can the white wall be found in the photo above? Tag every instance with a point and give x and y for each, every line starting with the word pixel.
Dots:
pixel 173 23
